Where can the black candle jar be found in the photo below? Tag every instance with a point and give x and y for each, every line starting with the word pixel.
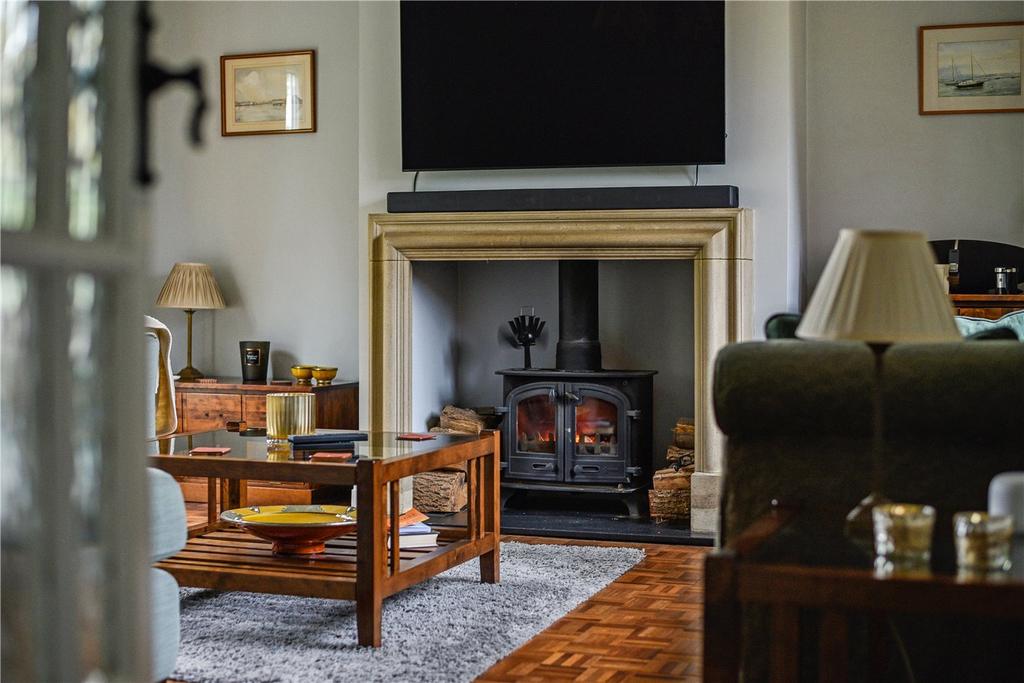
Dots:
pixel 255 357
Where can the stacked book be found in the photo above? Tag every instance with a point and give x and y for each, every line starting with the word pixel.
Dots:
pixel 418 535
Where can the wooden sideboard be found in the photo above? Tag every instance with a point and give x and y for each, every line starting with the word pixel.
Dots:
pixel 211 403
pixel 991 306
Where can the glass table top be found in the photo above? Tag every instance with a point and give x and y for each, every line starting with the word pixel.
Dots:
pixel 379 445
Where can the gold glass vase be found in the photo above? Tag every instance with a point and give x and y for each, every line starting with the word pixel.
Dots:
pixel 290 414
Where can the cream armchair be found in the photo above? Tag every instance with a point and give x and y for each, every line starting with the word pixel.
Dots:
pixel 167 523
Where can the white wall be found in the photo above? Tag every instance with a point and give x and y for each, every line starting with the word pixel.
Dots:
pixel 873 161
pixel 275 215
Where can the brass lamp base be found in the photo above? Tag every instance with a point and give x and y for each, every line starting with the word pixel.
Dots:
pixel 189 374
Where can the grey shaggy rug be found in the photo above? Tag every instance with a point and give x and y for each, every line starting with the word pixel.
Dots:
pixel 450 628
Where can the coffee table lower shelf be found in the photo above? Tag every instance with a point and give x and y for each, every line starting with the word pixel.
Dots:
pixel 232 560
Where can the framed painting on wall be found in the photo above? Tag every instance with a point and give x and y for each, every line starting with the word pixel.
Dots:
pixel 970 68
pixel 268 92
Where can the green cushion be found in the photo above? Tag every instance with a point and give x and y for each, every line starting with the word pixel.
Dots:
pixel 972 326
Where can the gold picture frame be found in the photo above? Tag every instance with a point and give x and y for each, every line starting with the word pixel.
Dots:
pixel 970 68
pixel 267 93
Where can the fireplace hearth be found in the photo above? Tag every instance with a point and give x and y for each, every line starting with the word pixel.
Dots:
pixel 577 427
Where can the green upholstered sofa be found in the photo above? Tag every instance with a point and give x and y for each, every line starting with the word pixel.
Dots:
pixel 797 421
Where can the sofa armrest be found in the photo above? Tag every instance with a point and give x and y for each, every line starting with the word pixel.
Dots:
pixel 168 528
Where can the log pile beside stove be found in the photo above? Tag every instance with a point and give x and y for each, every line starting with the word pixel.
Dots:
pixel 578 427
pixel 670 493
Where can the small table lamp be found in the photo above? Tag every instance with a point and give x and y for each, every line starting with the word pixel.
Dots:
pixel 878 287
pixel 190 286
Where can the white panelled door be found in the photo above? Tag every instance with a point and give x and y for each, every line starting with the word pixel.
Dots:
pixel 73 494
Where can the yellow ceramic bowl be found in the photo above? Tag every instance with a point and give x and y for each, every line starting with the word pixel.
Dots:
pixel 323 374
pixel 302 373
pixel 294 529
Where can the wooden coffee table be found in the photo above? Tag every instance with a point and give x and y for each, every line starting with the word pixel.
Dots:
pixel 361 568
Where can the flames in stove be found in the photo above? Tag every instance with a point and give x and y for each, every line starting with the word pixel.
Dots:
pixel 600 441
pixel 595 433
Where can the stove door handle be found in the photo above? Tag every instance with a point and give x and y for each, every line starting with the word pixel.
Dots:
pixel 572 398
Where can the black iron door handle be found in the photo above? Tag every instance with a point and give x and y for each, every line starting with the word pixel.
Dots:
pixel 571 398
pixel 152 77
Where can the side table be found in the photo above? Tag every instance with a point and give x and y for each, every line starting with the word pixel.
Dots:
pixel 210 403
pixel 991 306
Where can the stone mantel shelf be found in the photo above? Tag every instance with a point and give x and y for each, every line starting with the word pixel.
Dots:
pixel 719 241
pixel 552 235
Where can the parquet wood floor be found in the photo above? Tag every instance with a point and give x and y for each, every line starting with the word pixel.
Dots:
pixel 644 626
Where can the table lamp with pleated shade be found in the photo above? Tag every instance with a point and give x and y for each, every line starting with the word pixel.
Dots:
pixel 878 287
pixel 191 287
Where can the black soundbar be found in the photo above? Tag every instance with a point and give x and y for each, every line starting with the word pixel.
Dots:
pixel 567 199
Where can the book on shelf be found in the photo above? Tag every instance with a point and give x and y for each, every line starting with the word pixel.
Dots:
pixel 409 517
pixel 417 535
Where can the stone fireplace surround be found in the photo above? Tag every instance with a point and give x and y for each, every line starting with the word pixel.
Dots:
pixel 719 241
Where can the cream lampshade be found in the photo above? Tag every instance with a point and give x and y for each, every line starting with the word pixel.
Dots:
pixel 878 287
pixel 190 286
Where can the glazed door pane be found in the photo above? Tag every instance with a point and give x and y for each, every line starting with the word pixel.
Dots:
pixel 74 537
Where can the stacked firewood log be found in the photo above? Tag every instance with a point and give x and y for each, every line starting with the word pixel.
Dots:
pixel 670 496
pixel 444 490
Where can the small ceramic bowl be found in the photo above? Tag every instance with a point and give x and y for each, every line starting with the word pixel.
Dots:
pixel 302 374
pixel 324 375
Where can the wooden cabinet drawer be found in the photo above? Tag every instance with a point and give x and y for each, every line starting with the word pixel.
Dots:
pixel 210 411
pixel 254 411
pixel 194 490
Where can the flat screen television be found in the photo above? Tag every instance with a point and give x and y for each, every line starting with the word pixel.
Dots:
pixel 561 84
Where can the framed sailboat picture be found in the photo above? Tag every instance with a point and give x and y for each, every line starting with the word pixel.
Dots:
pixel 970 68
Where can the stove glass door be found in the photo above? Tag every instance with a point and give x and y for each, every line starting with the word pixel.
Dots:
pixel 596 451
pixel 532 442
pixel 597 428
pixel 537 425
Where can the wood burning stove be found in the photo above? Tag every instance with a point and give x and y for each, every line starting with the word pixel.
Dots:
pixel 577 427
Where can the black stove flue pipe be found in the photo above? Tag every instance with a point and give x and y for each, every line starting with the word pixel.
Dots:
pixel 579 346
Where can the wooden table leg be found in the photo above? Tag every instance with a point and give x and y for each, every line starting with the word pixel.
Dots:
pixel 370 551
pixel 490 563
pixel 472 507
pixel 212 513
pixel 233 494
